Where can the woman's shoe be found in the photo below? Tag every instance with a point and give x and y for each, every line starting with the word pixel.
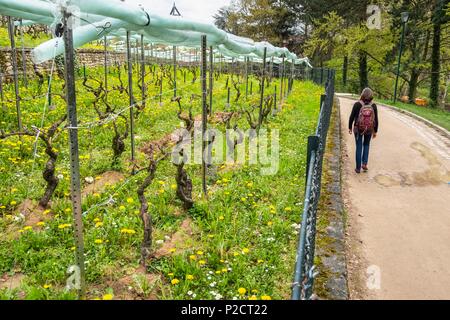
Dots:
pixel 365 168
pixel 358 171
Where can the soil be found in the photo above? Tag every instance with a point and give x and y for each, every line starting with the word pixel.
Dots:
pixel 107 178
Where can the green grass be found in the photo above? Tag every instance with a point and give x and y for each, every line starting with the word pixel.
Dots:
pixel 243 235
pixel 437 116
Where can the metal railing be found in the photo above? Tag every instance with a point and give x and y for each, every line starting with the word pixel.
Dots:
pixel 305 269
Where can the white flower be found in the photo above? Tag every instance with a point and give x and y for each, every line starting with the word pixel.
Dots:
pixel 60 176
pixel 194 295
pixel 190 293
pixel 235 298
pixel 212 284
pixel 159 242
pixel 218 296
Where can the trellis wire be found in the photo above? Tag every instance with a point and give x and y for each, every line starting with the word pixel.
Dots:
pixel 305 269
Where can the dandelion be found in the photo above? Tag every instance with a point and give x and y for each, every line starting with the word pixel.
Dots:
pixel 200 253
pixel 189 277
pixel 46 212
pixel 266 297
pixel 40 224
pixel 128 231
pixel 242 291
pixel 221 218
pixel 250 184
pixel 173 186
pixel 13 203
pixel 98 241
pixel 172 250
pixel 202 262
pixel 122 208
pixel 130 200
pixel 64 226
pixel 236 254
pixel 288 209
pixel 253 297
pixel 245 250
pixel 260 261
pixel 269 223
pixel 47 286
pixel 28 228
pixel 224 270
pixel 243 199
pixel 170 274
pixel 218 272
pixel 107 296
pixel 175 281
pixel 98 224
pixel 193 257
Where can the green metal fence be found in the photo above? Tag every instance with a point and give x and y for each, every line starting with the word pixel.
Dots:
pixel 305 269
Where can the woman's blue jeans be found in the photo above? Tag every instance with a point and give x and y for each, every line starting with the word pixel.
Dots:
pixel 362 149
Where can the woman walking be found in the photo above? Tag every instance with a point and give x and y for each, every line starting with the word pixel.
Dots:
pixel 363 123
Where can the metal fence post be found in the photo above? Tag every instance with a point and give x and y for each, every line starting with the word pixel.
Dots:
pixel 261 100
pixel 15 71
pixel 204 111
pixel 74 156
pixel 211 78
pixel 24 56
pixel 174 71
pixel 130 91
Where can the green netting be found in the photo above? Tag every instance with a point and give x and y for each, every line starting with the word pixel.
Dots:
pixel 93 19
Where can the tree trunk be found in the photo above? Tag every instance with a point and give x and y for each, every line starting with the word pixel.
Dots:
pixel 436 54
pixel 345 71
pixel 363 73
pixel 413 85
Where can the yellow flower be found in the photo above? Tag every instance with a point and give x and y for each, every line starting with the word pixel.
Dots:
pixel 67 210
pixel 13 203
pixel 96 220
pixel 236 254
pixel 173 186
pixel 47 286
pixel 73 248
pixel 193 257
pixel 253 297
pixel 130 200
pixel 269 223
pixel 98 241
pixel 266 298
pixel 288 209
pixel 175 281
pixel 98 224
pixel 250 184
pixel 200 253
pixel 27 228
pixel 254 291
pixel 14 190
pixel 221 217
pixel 189 277
pixel 172 250
pixel 260 261
pixel 40 224
pixel 202 262
pixel 242 291
pixel 108 296
pixel 243 199
pixel 170 274
pixel 122 208
pixel 218 272
pixel 64 226
pixel 245 250
pixel 127 231
pixel 46 212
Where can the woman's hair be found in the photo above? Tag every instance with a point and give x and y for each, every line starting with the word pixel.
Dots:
pixel 367 95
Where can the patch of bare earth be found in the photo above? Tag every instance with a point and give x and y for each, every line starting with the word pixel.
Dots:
pixel 11 282
pixel 179 240
pixel 139 285
pixel 106 179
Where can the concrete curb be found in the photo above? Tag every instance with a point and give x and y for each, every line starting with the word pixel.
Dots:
pixel 444 132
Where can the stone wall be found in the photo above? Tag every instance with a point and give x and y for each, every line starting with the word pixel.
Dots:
pixel 88 57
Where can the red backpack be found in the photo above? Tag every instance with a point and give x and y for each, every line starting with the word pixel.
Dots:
pixel 366 119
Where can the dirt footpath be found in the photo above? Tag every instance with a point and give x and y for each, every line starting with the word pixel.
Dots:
pixel 398 236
